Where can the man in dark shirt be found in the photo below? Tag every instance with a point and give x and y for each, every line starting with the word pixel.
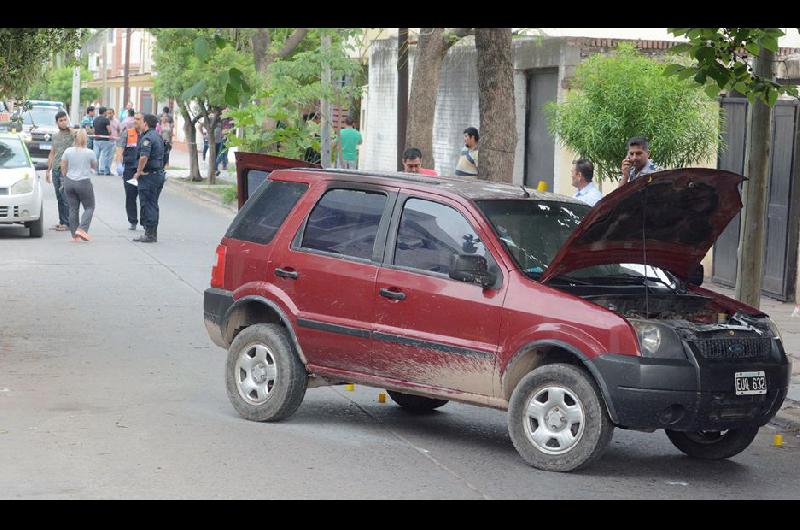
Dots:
pixel 103 146
pixel 149 174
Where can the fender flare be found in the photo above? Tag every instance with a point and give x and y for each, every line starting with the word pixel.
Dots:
pixel 272 306
pixel 585 362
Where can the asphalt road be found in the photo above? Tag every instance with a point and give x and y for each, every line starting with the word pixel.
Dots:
pixel 110 388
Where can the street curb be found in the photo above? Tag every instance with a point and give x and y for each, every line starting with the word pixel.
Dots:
pixel 178 184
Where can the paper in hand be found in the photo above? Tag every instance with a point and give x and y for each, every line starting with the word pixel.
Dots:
pixel 133 182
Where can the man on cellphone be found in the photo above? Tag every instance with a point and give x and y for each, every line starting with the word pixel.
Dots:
pixel 638 162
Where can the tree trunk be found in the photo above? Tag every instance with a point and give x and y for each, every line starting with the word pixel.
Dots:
pixel 212 145
pixel 431 51
pixel 498 129
pixel 191 137
pixel 756 191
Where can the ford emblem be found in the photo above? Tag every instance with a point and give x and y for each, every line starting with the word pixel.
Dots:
pixel 736 349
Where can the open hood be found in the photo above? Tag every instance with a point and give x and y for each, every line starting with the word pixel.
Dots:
pixel 668 219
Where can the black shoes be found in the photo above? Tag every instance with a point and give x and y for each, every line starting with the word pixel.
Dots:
pixel 150 236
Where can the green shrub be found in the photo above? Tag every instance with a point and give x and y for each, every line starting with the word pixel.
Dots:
pixel 626 94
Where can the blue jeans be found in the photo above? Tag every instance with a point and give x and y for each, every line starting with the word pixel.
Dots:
pixel 63 207
pixel 222 156
pixel 104 150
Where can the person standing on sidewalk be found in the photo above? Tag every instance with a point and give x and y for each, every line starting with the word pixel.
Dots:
pixel 149 174
pixel 103 146
pixel 467 165
pixel 88 123
pixel 127 157
pixel 62 140
pixel 166 135
pixel 349 140
pixel 77 164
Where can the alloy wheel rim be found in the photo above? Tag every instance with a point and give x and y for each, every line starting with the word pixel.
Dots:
pixel 554 420
pixel 256 374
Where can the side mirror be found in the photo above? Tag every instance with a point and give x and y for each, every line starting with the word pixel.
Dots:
pixel 472 268
pixel 696 276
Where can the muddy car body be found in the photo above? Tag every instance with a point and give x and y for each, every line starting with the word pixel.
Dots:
pixel 574 320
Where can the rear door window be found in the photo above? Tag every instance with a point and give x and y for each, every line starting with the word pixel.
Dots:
pixel 345 222
pixel 265 212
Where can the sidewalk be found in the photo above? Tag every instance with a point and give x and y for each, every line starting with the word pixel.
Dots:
pixel 178 174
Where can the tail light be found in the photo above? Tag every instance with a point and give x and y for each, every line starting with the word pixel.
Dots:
pixel 218 270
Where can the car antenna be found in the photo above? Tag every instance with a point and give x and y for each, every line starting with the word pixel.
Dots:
pixel 527 195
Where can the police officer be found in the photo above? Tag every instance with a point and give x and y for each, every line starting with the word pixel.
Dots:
pixel 149 174
pixel 128 155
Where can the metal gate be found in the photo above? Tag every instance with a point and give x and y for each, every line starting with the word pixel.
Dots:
pixel 780 253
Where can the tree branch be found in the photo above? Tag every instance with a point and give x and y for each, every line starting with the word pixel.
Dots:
pixel 292 43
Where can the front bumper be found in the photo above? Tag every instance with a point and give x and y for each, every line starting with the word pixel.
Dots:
pixel 21 208
pixel 690 395
pixel 216 303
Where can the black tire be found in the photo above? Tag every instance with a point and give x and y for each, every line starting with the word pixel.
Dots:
pixel 713 445
pixel 588 432
pixel 282 375
pixel 36 228
pixel 416 403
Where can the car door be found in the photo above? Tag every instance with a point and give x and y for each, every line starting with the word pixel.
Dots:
pixel 431 329
pixel 329 273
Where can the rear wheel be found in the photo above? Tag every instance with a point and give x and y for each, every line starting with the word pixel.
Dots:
pixel 713 445
pixel 557 419
pixel 265 379
pixel 415 403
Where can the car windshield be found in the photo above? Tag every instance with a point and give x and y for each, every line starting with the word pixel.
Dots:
pixel 40 116
pixel 534 231
pixel 12 154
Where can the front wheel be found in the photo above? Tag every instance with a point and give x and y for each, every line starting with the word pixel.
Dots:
pixel 36 228
pixel 713 445
pixel 557 418
pixel 265 379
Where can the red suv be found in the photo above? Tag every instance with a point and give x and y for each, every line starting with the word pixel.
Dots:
pixel 575 320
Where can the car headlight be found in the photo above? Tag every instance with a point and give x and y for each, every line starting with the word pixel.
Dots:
pixel 657 340
pixel 776 333
pixel 23 186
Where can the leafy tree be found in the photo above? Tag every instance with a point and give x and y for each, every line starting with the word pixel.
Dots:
pixel 290 90
pixel 24 50
pixel 742 59
pixel 723 61
pixel 625 94
pixel 204 73
pixel 57 86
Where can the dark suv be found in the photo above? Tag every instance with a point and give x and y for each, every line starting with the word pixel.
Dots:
pixel 575 320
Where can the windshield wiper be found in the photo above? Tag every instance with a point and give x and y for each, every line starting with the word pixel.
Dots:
pixel 570 279
pixel 627 278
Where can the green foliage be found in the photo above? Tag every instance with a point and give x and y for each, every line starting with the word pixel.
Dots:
pixel 720 61
pixel 23 51
pixel 293 87
pixel 625 94
pixel 57 86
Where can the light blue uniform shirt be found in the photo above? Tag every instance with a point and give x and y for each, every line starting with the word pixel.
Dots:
pixel 589 194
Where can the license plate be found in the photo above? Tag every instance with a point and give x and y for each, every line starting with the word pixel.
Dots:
pixel 749 383
pixel 45 147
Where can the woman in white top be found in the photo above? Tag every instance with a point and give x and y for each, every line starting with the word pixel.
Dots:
pixel 78 164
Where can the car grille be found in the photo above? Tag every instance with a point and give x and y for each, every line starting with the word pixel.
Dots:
pixel 733 349
pixel 5 210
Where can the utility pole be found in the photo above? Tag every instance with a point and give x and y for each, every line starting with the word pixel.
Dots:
pixel 104 44
pixel 402 93
pixel 756 191
pixel 75 104
pixel 126 87
pixel 325 122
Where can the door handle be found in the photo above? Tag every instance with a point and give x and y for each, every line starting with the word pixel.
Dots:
pixel 286 274
pixel 393 295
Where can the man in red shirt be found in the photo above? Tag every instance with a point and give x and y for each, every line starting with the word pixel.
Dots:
pixel 412 163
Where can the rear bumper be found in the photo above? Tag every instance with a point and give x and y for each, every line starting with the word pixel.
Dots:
pixel 684 396
pixel 216 303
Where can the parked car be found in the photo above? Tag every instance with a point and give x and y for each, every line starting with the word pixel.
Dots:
pixel 38 129
pixel 575 320
pixel 20 186
pixel 5 117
